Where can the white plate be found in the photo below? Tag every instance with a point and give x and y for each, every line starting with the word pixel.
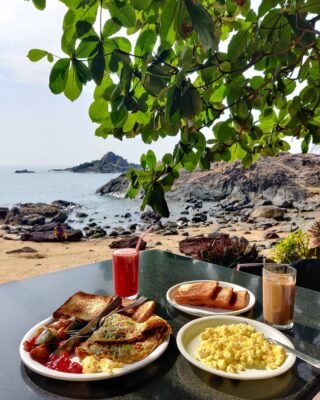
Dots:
pixel 206 311
pixel 64 376
pixel 188 340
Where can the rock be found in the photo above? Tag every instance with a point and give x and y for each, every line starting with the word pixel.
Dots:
pixel 23 171
pixel 127 215
pixel 33 219
pixel 13 217
pixel 98 233
pixel 133 227
pixel 51 236
pixel 199 218
pixel 114 233
pixel 47 210
pixel 24 249
pixel 109 163
pixel 170 232
pixel 92 224
pixel 3 212
pixel 80 214
pixel 268 212
pixel 62 216
pixel 64 204
pixel 271 235
pixel 117 187
pixel 129 242
pixel 150 216
pixel 185 234
pixel 11 237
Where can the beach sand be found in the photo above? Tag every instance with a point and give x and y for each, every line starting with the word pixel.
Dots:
pixel 52 257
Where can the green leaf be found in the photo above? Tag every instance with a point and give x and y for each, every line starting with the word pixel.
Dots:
pixel 58 75
pixel 98 66
pixel 168 23
pixel 218 94
pixel 110 27
pixel 84 73
pixel 124 14
pixel 223 132
pixel 39 4
pixel 141 4
pixel 82 27
pixel 151 159
pixel 119 113
pixel 50 57
pixel 256 82
pixel 203 24
pixel 238 44
pixel 35 55
pixel 265 6
pixel 87 47
pixel 167 159
pixel 73 86
pixel 312 6
pixel 158 201
pixel 98 110
pixel 145 43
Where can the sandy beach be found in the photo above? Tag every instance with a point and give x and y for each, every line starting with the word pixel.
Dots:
pixel 52 257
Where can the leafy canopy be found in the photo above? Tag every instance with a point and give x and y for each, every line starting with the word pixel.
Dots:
pixel 185 71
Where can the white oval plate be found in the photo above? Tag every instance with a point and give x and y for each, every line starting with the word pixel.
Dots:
pixel 188 340
pixel 206 311
pixel 64 376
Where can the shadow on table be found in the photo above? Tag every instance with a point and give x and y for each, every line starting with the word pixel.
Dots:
pixel 109 387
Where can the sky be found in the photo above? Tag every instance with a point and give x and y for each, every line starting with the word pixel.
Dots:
pixel 37 127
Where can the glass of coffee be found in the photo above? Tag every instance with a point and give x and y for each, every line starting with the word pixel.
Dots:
pixel 125 266
pixel 278 293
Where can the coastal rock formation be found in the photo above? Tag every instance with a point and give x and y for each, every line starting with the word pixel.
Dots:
pixel 52 236
pixel 109 163
pixel 128 242
pixel 285 181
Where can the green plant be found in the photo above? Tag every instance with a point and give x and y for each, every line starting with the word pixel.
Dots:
pixel 294 247
pixel 187 72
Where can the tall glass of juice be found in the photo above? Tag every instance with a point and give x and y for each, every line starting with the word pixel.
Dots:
pixel 278 295
pixel 125 265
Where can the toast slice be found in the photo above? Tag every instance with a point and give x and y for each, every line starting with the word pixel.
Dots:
pixel 239 300
pixel 221 299
pixel 195 293
pixel 83 305
pixel 144 312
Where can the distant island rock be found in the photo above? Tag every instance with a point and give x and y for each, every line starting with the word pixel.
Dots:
pixel 23 171
pixel 109 163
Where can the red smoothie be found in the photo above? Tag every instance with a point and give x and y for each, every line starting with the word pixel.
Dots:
pixel 125 264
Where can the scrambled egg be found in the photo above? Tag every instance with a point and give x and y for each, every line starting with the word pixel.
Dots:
pixel 92 364
pixel 236 347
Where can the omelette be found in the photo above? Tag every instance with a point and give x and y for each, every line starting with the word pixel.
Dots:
pixel 122 339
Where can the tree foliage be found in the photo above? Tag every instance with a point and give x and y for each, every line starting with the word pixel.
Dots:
pixel 193 65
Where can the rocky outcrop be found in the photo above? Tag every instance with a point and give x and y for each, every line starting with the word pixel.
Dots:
pixel 285 181
pixel 109 163
pixel 268 212
pixel 116 187
pixel 53 236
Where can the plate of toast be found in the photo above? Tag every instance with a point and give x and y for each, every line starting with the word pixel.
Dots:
pixel 209 297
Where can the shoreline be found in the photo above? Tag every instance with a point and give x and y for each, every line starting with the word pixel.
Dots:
pixel 52 257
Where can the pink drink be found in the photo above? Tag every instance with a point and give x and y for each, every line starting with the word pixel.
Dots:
pixel 125 264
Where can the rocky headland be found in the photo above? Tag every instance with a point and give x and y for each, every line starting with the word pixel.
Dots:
pixel 109 163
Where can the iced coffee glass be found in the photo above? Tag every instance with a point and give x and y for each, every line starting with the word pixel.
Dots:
pixel 278 292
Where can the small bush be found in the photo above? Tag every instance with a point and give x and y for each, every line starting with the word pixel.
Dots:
pixel 294 247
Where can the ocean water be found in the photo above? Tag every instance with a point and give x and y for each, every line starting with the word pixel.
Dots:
pixel 46 186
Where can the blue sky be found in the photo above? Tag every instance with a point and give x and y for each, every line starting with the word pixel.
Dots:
pixel 37 127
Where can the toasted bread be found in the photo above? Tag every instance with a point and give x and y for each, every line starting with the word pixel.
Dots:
pixel 221 299
pixel 239 300
pixel 82 305
pixel 195 293
pixel 144 312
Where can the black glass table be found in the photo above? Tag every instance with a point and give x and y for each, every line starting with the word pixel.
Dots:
pixel 24 303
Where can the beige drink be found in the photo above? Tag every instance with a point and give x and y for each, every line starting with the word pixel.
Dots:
pixel 278 289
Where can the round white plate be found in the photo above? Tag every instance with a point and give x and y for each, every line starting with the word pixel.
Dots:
pixel 64 376
pixel 206 311
pixel 188 340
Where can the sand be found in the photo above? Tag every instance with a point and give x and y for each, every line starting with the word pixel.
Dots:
pixel 52 257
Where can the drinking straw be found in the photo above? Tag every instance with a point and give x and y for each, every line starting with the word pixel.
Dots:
pixel 143 234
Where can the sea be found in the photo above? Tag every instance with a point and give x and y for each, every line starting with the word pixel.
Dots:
pixel 46 186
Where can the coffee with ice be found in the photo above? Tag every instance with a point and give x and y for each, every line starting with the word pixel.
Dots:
pixel 278 290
